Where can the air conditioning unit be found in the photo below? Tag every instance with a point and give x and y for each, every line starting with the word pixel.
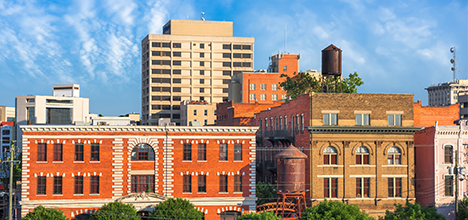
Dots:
pixel 170 124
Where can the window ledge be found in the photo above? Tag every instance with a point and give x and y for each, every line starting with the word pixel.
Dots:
pixel 41 161
pixel 42 195
pixel 202 161
pixel 57 161
pixel 362 165
pixel 224 161
pixel 330 165
pixel 94 194
pixel 201 192
pixel 223 192
pixel 186 193
pixel 94 161
pixel 78 194
pixel 394 165
pixel 186 161
pixel 238 192
pixel 57 194
pixel 237 161
pixel 78 161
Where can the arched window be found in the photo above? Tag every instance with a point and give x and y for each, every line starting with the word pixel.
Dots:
pixel 143 152
pixel 330 156
pixel 394 155
pixel 362 155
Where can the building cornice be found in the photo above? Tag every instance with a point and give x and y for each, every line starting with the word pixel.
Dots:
pixel 139 129
pixel 361 130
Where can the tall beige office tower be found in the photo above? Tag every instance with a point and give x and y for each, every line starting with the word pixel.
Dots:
pixel 191 60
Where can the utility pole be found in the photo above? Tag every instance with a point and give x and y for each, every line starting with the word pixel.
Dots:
pixel 456 183
pixel 10 203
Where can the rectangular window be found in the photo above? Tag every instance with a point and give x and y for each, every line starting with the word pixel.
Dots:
pixel 274 97
pixel 187 152
pixel 94 189
pixel 226 46
pixel 79 152
pixel 78 185
pixel 176 45
pixel 330 188
pixel 226 73
pixel 246 47
pixel 187 183
pixel 263 97
pixel 223 156
pixel 394 187
pixel 252 97
pixel 226 55
pixel 194 112
pixel 205 112
pixel 42 152
pixel 274 87
pixel 330 119
pixel 236 47
pixel 176 62
pixel 202 63
pixel 201 151
pixel 226 64
pixel 142 183
pixel 58 152
pixel 394 120
pixel 252 86
pixel 362 119
pixel 202 81
pixel 202 55
pixel 448 154
pixel 202 183
pixel 223 183
pixel 41 185
pixel 177 54
pixel 226 81
pixel 237 183
pixel 262 86
pixel 94 152
pixel 202 46
pixel 225 90
pixel 57 185
pixel 285 68
pixel 448 185
pixel 202 72
pixel 237 151
pixel 176 72
pixel 362 187
pixel 166 44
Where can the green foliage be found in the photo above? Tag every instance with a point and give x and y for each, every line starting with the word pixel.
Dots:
pixel 463 208
pixel 334 210
pixel 259 216
pixel 176 209
pixel 265 193
pixel 40 213
pixel 116 211
pixel 413 212
pixel 303 83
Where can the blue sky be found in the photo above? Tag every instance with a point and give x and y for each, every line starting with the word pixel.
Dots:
pixel 395 46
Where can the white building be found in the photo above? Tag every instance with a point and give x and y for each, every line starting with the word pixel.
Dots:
pixel 444 94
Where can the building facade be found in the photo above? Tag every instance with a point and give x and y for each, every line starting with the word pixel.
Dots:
pixel 196 113
pixel 360 146
pixel 77 169
pixel 427 116
pixel 240 114
pixel 444 94
pixel 7 113
pixel 437 149
pixel 191 60
pixel 6 136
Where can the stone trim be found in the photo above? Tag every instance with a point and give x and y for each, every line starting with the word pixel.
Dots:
pixel 361 130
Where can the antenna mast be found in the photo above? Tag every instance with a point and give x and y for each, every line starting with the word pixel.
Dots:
pixel 203 16
pixel 285 35
pixel 453 61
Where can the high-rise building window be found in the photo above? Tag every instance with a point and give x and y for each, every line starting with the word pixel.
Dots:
pixel 202 90
pixel 330 187
pixel 202 63
pixel 238 183
pixel 223 152
pixel 226 46
pixel 194 112
pixel 202 72
pixel 202 81
pixel 57 185
pixel 94 189
pixel 95 152
pixel 78 185
pixel 41 185
pixel 223 183
pixel 237 151
pixel 187 183
pixel 202 55
pixel 58 152
pixel 202 183
pixel 202 152
pixel 79 152
pixel 176 45
pixel 187 152
pixel 42 152
pixel 205 112
pixel 202 46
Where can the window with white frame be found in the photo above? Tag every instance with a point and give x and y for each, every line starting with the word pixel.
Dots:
pixel 302 122
pixel 274 97
pixel 263 97
pixel 394 187
pixel 286 123
pixel 362 187
pixel 252 86
pixel 330 119
pixel 448 180
pixel 281 123
pixel 394 119
pixel 362 155
pixel 362 119
pixel 448 154
pixel 330 187
pixel 252 96
pixel 330 156
pixel 274 87
pixel 262 86
pixel 394 156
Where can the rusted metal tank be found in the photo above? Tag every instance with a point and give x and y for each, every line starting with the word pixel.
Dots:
pixel 331 61
pixel 291 170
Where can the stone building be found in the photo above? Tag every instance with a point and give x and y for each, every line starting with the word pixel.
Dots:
pixel 77 169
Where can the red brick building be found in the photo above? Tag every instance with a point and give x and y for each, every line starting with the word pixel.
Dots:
pixel 426 116
pixel 77 169
pixel 240 114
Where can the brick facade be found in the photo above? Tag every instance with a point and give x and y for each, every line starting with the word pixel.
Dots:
pixel 116 168
pixel 239 114
pixel 426 116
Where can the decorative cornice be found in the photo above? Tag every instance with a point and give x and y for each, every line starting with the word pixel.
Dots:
pixel 361 130
pixel 139 129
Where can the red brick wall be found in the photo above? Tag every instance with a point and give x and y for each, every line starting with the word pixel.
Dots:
pixel 292 63
pixel 426 116
pixel 240 114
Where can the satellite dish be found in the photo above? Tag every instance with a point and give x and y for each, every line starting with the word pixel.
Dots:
pixel 452 60
pixel 452 49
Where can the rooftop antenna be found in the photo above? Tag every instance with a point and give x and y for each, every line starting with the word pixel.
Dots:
pixel 285 36
pixel 203 16
pixel 453 61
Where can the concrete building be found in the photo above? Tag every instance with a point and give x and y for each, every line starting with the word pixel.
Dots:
pixel 263 86
pixel 437 148
pixel 7 113
pixel 444 94
pixel 359 146
pixel 191 60
pixel 77 169
pixel 6 135
pixel 427 116
pixel 110 120
pixel 197 113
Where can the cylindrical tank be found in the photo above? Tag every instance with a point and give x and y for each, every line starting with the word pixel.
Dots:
pixel 291 170
pixel 331 61
pixel 235 92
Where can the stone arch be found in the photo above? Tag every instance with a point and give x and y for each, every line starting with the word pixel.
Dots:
pixel 131 144
pixel 326 144
pixel 388 145
pixel 355 146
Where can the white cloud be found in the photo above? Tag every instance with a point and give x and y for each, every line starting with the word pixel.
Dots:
pixel 157 16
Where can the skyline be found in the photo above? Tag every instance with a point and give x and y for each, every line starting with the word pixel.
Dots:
pixel 395 47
